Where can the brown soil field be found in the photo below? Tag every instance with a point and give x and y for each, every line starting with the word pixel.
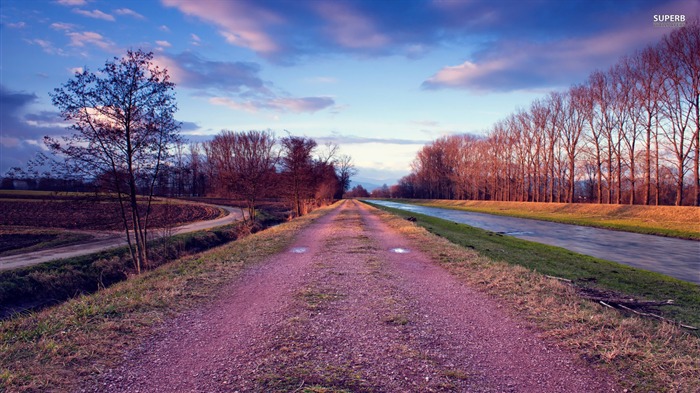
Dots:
pixel 77 213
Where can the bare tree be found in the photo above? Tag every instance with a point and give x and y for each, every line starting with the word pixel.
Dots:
pixel 345 170
pixel 245 163
pixel 123 128
pixel 298 170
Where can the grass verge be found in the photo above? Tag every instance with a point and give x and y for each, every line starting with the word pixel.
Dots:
pixel 670 221
pixel 645 355
pixel 62 347
pixel 15 241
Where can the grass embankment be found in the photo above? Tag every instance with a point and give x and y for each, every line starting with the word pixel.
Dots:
pixel 646 355
pixel 62 347
pixel 15 241
pixel 52 282
pixel 671 221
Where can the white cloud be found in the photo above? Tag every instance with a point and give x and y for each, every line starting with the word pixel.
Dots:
pixel 89 37
pixel 164 44
pixel 72 3
pixel 164 28
pixel 95 14
pixel 18 25
pixel 46 46
pixel 129 12
pixel 63 26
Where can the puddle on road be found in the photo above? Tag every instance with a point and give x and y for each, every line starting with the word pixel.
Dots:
pixel 400 250
pixel 516 233
pixel 299 250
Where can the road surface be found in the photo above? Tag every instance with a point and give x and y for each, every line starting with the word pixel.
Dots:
pixel 340 310
pixel 106 240
pixel 673 257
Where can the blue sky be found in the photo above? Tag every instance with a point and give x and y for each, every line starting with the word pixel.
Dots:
pixel 378 77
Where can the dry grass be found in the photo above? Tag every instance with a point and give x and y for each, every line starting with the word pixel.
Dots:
pixel 645 356
pixel 59 348
pixel 662 220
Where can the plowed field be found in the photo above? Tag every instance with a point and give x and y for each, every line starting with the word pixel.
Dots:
pixel 93 215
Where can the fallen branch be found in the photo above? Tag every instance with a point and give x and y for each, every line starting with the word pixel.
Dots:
pixel 559 278
pixel 659 317
pixel 630 302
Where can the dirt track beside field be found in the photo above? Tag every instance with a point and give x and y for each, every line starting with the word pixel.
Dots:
pixel 350 305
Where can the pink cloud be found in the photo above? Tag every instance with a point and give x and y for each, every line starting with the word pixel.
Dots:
pixel 350 28
pixel 295 105
pixel 513 65
pixel 241 23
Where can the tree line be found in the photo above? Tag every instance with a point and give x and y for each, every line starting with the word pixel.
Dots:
pixel 625 135
pixel 254 165
pixel 124 141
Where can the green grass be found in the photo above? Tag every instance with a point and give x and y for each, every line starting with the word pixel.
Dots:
pixel 16 242
pixel 585 271
pixel 669 221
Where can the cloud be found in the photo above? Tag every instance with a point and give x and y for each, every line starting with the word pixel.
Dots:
pixel 341 139
pixel 129 12
pixel 63 26
pixel 21 133
pixel 190 70
pixel 350 28
pixel 72 3
pixel 513 65
pixel 18 25
pixel 188 126
pixel 556 52
pixel 47 47
pixel 164 44
pixel 196 41
pixel 294 105
pixel 164 28
pixel 95 14
pixel 241 23
pixel 81 39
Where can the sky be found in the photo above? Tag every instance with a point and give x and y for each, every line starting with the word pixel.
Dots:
pixel 380 78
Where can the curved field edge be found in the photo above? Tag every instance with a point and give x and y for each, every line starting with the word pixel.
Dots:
pixel 681 222
pixel 645 355
pixel 15 241
pixel 63 347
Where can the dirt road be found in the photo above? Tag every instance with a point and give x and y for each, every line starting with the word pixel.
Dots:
pixel 351 306
pixel 106 240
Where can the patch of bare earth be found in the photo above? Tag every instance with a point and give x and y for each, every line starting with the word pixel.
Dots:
pixel 339 311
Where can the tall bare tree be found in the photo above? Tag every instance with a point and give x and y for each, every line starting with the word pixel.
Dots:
pixel 298 171
pixel 123 128
pixel 245 163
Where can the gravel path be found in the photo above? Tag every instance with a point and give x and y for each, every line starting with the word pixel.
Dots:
pixel 340 310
